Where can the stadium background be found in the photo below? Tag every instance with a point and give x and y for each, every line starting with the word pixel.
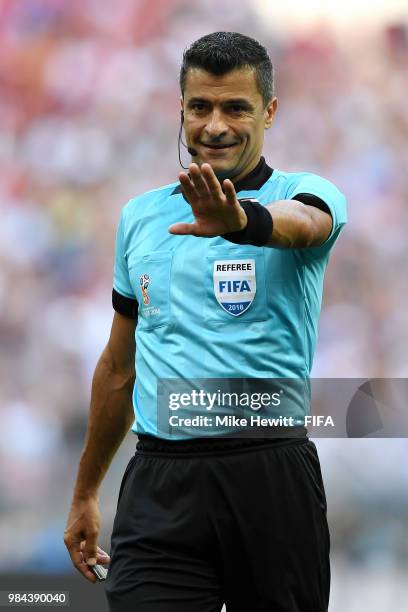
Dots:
pixel 89 111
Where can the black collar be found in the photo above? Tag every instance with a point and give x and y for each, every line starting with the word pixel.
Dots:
pixel 252 181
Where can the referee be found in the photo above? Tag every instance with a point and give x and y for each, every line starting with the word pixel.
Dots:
pixel 217 277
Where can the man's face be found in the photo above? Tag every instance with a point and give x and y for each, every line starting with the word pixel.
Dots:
pixel 225 120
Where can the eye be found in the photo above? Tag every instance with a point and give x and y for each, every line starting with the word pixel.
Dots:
pixel 237 108
pixel 197 106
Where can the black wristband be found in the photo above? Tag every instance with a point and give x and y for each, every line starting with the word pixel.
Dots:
pixel 259 227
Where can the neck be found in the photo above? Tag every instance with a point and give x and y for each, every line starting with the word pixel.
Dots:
pixel 247 170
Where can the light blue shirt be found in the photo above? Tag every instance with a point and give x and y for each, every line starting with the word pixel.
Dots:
pixel 210 309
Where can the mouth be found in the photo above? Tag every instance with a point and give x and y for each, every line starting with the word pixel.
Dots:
pixel 219 147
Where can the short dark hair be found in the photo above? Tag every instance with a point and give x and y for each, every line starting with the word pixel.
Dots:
pixel 221 52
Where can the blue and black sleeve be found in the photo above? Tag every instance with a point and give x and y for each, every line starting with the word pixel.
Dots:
pixel 125 306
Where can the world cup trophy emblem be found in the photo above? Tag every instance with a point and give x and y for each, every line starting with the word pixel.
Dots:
pixel 144 283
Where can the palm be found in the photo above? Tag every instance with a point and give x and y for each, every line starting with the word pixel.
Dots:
pixel 215 212
pixel 210 224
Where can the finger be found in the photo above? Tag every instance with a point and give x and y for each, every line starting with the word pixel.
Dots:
pixel 101 555
pixel 78 561
pixel 212 181
pixel 183 229
pixel 199 181
pixel 90 551
pixel 230 192
pixel 188 188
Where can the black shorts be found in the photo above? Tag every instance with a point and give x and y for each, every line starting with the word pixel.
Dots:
pixel 197 527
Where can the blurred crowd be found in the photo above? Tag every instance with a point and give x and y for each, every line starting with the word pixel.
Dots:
pixel 89 111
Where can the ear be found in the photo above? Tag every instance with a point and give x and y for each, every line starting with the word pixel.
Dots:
pixel 270 111
pixel 181 102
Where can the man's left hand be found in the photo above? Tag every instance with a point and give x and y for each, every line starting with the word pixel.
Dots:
pixel 216 211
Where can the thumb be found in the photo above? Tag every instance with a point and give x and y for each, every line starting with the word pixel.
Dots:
pixel 91 549
pixel 183 229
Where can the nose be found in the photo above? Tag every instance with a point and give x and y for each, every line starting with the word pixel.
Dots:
pixel 216 126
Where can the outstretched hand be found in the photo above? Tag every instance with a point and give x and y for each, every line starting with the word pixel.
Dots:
pixel 216 211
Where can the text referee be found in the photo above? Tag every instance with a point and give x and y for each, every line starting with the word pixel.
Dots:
pixel 217 277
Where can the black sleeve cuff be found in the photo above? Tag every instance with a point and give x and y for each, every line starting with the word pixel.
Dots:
pixel 125 306
pixel 311 200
